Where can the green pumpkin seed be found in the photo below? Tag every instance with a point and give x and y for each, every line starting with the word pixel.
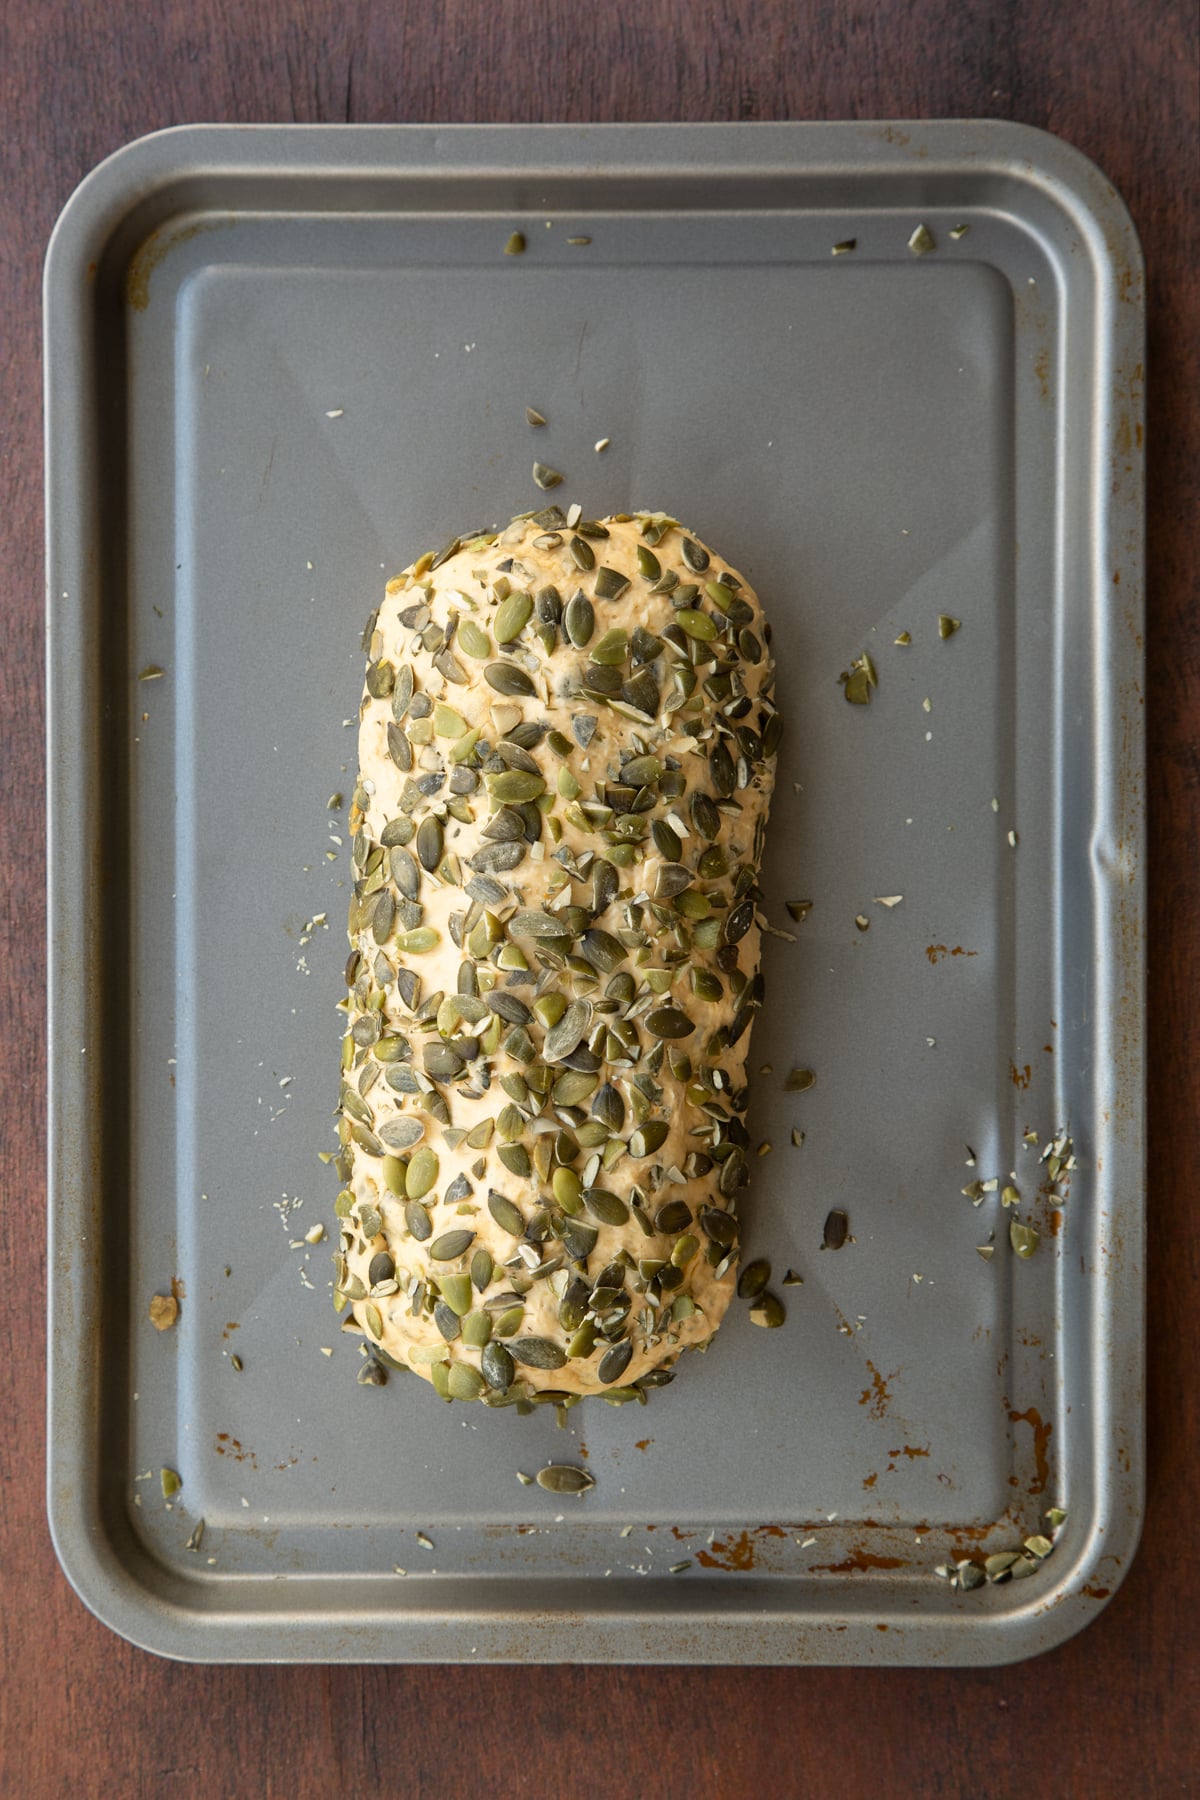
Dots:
pixel 546 477
pixel 579 620
pixel 512 615
pixel 837 1230
pixel 614 1362
pixel 508 679
pixel 769 1311
pixel 753 1279
pixel 418 942
pixel 515 786
pixel 464 1382
pixel 610 584
pixel 560 1478
pixel 477 1329
pixel 695 556
pixel 473 640
pixel 506 1213
pixel 611 649
pixel 648 1138
pixel 605 1206
pixel 416 1217
pixel 1023 1238
pixel 582 554
pixel 373 1320
pixel 538 1353
pixel 423 1172
pixel 698 625
pixel 649 567
pixel 456 1290
pixel 669 1022
pixel 450 1245
pixel 799 1081
pixel 497 1368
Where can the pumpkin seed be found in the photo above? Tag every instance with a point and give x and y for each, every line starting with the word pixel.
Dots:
pixel 514 786
pixel 508 679
pixel 605 1206
pixel 546 477
pixel 497 1367
pixel 579 619
pixel 430 842
pixel 416 1217
pixel 610 583
pixel 1023 1238
pixel 418 942
pixel 837 1229
pixel 464 1382
pixel 533 417
pixel 560 1478
pixel 423 1171
pixel 922 241
pixel 512 616
pixel 450 1245
pixel 538 1353
pixel 669 1022
pixel 753 1279
pixel 695 555
pixel 649 1137
pixel 768 1311
pixel 456 1291
pixel 614 1362
pixel 947 626
pixel 568 1033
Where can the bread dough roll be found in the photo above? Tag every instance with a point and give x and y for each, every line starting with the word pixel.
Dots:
pixel 567 745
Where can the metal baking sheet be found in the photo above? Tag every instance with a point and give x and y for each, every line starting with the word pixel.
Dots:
pixel 282 362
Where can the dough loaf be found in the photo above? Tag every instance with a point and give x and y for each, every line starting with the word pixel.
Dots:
pixel 566 746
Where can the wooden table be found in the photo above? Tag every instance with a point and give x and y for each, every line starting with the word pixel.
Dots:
pixel 1115 1711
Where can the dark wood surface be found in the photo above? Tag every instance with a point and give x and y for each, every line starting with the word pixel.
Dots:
pixel 1115 1711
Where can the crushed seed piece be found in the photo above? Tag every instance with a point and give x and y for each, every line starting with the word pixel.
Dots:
pixel 922 241
pixel 533 417
pixel 797 1138
pixel 602 444
pixel 164 1310
pixel 959 231
pixel 845 247
pixel 151 672
pixel 170 1482
pixel 904 640
pixel 515 245
pixel 799 1081
pixel 947 626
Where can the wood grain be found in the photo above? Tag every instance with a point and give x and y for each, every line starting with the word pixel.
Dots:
pixel 1115 1710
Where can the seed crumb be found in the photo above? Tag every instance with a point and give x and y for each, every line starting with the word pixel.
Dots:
pixel 602 445
pixel 164 1310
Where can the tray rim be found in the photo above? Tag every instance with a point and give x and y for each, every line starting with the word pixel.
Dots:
pixel 120 1581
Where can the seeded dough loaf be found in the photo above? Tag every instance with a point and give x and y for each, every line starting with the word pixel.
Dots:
pixel 566 747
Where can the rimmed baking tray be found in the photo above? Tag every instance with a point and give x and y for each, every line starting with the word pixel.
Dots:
pixel 281 362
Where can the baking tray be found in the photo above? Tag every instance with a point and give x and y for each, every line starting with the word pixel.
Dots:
pixel 280 363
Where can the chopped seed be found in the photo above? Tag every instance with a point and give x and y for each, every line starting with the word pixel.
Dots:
pixel 515 245
pixel 947 626
pixel 533 417
pixel 799 1081
pixel 922 241
pixel 845 247
pixel 602 445
pixel 546 477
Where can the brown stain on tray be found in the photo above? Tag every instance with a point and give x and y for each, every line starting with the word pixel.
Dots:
pixel 1042 1429
pixel 860 1561
pixel 878 1397
pixel 937 952
pixel 155 250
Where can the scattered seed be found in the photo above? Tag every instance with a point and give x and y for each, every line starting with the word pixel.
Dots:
pixel 1024 1238
pixel 533 417
pixel 862 921
pixel 922 241
pixel 561 1478
pixel 170 1482
pixel 845 247
pixel 515 245
pixel 959 231
pixel 799 1081
pixel 837 1229
pixel 947 626
pixel 602 444
pixel 546 477
pixel 164 1310
pixel 579 240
